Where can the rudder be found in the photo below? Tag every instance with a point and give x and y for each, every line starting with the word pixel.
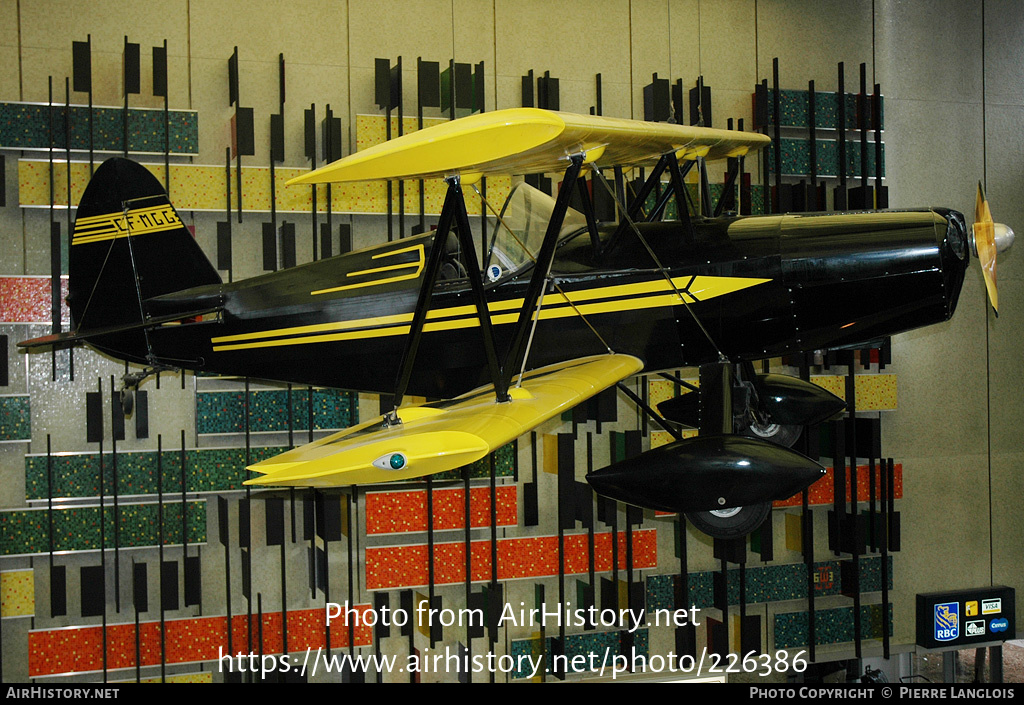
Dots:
pixel 128 246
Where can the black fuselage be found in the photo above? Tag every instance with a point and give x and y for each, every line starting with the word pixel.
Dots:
pixel 756 287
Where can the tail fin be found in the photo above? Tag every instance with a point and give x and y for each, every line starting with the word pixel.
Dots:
pixel 128 246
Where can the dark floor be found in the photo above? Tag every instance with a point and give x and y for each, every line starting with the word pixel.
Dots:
pixel 928 667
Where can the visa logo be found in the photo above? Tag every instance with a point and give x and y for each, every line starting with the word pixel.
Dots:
pixel 999 625
pixel 991 606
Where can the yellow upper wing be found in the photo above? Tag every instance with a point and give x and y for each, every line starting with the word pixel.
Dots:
pixel 529 140
pixel 441 437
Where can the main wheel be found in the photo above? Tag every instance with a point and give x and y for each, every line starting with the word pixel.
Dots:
pixel 127 401
pixel 778 433
pixel 731 523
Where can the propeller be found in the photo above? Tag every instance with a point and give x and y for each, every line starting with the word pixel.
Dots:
pixel 988 240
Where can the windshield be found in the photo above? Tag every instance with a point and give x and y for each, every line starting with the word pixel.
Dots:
pixel 519 232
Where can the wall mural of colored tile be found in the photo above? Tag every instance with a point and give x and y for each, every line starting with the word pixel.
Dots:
pixel 580 653
pixel 794 109
pixel 17 593
pixel 77 474
pixel 406 512
pixel 15 418
pixel 796 157
pixel 27 531
pixel 26 299
pixel 36 126
pixel 831 626
pixel 80 649
pixel 225 412
pixel 769 583
pixel 535 557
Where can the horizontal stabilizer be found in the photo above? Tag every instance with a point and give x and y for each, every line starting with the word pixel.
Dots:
pixel 443 436
pixel 76 337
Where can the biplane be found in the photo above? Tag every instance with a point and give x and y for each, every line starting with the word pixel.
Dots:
pixel 560 307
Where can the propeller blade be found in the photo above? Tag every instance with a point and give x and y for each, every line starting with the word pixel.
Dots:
pixel 985 243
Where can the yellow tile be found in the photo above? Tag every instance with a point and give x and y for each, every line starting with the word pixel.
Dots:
pixel 17 593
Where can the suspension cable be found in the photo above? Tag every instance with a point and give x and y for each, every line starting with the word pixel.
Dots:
pixel 657 262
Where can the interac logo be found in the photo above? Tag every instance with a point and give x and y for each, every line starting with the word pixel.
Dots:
pixel 947 621
pixel 971 608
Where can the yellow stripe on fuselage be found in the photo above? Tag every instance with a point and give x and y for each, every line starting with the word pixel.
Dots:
pixel 137 221
pixel 653 293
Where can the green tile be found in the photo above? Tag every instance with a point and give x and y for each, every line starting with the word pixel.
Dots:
pixel 15 418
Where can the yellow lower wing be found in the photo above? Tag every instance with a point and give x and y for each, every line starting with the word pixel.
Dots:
pixel 440 437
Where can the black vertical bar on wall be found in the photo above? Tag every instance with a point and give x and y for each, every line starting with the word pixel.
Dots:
pixel 812 126
pixel 765 154
pixel 777 118
pixel 160 90
pixel 310 140
pixel 54 246
pixel 885 470
pixel 852 529
pixel 160 538
pixel 227 206
pixel 103 562
pixel 467 534
pixel 184 510
pixel 396 87
pixel 430 552
pixel 881 193
pixel 591 539
pixel 247 540
pixel 117 510
pixel 67 152
pixel 225 540
pixel 840 192
pixel 236 99
pixel 421 88
pixel 862 124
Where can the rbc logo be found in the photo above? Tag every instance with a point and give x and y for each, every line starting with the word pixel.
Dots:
pixel 947 621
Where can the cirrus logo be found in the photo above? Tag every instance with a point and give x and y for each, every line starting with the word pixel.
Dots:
pixel 999 625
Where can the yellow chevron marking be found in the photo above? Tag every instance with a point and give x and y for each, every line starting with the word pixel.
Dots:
pixel 138 221
pixel 418 264
pixel 625 297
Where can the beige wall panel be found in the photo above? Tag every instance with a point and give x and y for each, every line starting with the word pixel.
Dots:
pixel 210 98
pixel 572 40
pixel 574 96
pixel 1006 369
pixel 1004 175
pixel 944 514
pixel 929 50
pixel 1004 52
pixel 10 85
pixel 306 85
pixel 10 79
pixel 686 34
pixel 929 138
pixel 306 31
pixel 810 39
pixel 1008 521
pixel 650 48
pixel 392 29
pixel 941 388
pixel 728 46
pixel 475 39
pixel 108 22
